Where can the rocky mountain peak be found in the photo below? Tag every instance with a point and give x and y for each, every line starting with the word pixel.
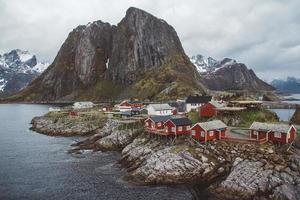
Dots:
pixel 100 60
pixel 141 41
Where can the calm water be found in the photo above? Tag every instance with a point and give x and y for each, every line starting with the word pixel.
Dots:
pixel 284 114
pixel 35 166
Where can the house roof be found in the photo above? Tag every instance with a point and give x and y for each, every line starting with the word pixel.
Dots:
pixel 127 113
pixel 198 99
pixel 135 102
pixel 159 107
pixel 216 104
pixel 211 125
pixel 247 102
pixel 283 128
pixel 181 121
pixel 160 118
pixel 231 109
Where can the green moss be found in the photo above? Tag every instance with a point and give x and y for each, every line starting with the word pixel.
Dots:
pixel 174 79
pixel 194 116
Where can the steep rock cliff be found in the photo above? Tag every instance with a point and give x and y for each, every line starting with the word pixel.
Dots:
pixel 100 61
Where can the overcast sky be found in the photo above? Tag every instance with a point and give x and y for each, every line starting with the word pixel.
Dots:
pixel 263 34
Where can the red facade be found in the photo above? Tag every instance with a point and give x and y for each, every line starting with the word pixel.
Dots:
pixel 199 133
pixel 207 110
pixel 172 129
pixel 149 123
pixel 273 136
pixel 174 111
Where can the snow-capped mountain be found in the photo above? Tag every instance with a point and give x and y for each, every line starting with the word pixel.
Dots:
pixel 17 69
pixel 204 64
pixel 228 74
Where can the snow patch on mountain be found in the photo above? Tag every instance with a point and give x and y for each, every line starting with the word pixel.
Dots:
pixel 40 67
pixel 2 84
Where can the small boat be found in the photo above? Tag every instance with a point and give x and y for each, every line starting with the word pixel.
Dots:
pixel 54 109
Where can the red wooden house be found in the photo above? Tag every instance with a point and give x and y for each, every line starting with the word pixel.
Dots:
pixel 73 114
pixel 156 122
pixel 282 133
pixel 178 126
pixel 209 109
pixel 207 131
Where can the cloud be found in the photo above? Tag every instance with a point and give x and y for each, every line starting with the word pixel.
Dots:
pixel 262 34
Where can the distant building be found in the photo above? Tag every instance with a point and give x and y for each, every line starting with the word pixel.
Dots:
pixel 83 104
pixel 207 131
pixel 54 109
pixel 282 133
pixel 193 102
pixel 127 105
pixel 209 109
pixel 159 109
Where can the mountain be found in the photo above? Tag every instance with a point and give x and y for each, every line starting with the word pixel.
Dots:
pixel 17 69
pixel 228 74
pixel 290 85
pixel 139 57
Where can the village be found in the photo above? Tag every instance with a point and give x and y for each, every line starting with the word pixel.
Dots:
pixel 196 118
pixel 238 147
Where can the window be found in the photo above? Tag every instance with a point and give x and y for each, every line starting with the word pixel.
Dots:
pixel 211 133
pixel 202 134
pixel 277 134
pixel 179 128
pixel 193 132
pixel 159 124
pixel 153 125
pixel 188 127
pixel 255 132
pixel 173 129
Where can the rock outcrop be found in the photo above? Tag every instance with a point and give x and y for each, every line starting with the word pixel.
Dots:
pixel 63 125
pixel 102 61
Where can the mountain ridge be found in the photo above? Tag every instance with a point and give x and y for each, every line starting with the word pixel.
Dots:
pixel 290 85
pixel 228 75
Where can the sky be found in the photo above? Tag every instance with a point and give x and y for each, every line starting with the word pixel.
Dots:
pixel 263 34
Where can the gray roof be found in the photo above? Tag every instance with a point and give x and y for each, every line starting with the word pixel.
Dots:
pixel 284 128
pixel 160 118
pixel 216 104
pixel 198 99
pixel 181 121
pixel 159 107
pixel 211 125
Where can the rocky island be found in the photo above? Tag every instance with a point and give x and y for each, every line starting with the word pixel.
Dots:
pixel 228 170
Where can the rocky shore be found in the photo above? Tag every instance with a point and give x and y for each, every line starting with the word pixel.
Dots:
pixel 61 124
pixel 229 170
